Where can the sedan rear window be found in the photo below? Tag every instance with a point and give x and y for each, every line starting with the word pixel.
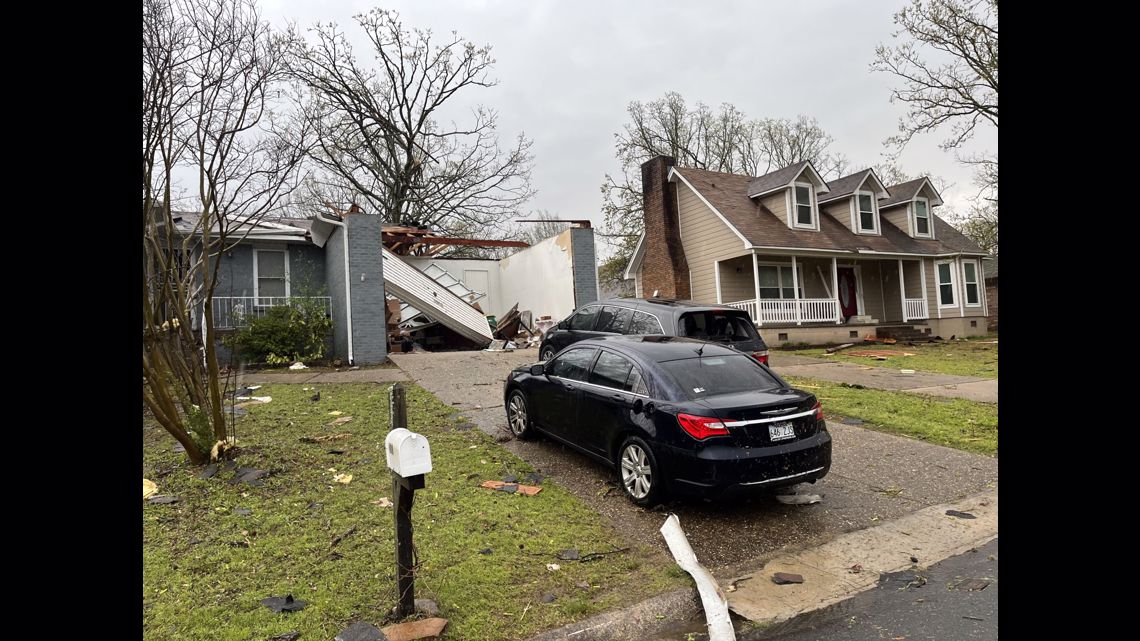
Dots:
pixel 702 377
pixel 721 326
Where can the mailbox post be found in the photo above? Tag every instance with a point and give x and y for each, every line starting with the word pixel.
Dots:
pixel 409 458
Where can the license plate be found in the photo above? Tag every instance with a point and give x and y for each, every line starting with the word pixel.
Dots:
pixel 781 431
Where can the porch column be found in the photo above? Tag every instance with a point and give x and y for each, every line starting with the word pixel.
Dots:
pixel 835 288
pixel 796 291
pixel 756 282
pixel 962 287
pixel 922 279
pixel 716 276
pixel 902 290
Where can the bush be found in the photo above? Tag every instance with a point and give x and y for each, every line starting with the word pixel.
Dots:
pixel 296 332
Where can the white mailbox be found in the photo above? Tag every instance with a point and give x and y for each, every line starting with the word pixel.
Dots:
pixel 408 453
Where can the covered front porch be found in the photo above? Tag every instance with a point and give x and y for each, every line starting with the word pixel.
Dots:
pixel 787 290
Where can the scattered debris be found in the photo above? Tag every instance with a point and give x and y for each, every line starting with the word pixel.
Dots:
pixel 179 448
pixel 427 607
pixel 485 551
pixel 832 350
pixel 510 478
pixel 528 490
pixel 553 567
pixel 383 501
pixel 548 598
pixel 913 559
pixel 242 511
pixel 412 630
pixel 298 365
pixel 337 452
pixel 594 556
pixel 342 478
pixel 889 491
pixel 163 499
pixel 291 635
pixel 732 584
pixel 582 584
pixel 315 397
pixel 785 578
pixel 361 631
pixel 534 478
pixel 855 569
pixel 253 399
pixel 712 598
pixel 324 438
pixel 335 413
pixel 879 353
pixel 284 603
pixel 960 515
pixel 149 488
pixel 569 555
pixel 972 585
pixel 249 476
pixel 340 421
pixel 209 471
pixel 906 371
pixel 972 618
pixel 340 537
pixel 852 421
pixel 500 346
pixel 849 385
pixel 799 499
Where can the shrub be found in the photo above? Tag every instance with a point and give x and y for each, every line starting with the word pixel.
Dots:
pixel 295 332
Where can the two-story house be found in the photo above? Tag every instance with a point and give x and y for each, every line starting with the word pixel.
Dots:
pixel 810 260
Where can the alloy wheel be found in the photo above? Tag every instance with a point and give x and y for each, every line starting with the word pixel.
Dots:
pixel 636 472
pixel 516 415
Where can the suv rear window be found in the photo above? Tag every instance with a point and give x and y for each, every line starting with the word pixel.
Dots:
pixel 721 326
pixel 706 376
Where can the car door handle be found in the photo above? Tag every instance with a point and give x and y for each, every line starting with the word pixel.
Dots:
pixel 617 397
pixel 570 387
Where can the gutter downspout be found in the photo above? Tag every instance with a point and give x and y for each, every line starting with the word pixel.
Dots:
pixel 347 286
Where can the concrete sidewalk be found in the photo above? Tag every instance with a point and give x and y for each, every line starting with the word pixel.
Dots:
pixel 984 390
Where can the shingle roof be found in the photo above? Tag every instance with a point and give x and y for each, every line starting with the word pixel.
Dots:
pixel 902 192
pixel 775 179
pixel 844 186
pixel 729 194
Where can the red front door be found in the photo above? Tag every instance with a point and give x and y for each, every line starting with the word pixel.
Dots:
pixel 848 303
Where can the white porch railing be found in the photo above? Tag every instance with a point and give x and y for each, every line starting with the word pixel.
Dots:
pixel 772 310
pixel 234 311
pixel 916 309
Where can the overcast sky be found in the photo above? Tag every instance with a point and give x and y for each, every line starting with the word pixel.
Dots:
pixel 568 70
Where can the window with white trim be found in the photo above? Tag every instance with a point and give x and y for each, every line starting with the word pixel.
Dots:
pixel 970 283
pixel 803 209
pixel 866 213
pixel 271 274
pixel 776 282
pixel 946 284
pixel 921 217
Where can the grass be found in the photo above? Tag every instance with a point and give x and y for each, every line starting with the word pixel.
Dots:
pixel 206 568
pixel 963 358
pixel 953 422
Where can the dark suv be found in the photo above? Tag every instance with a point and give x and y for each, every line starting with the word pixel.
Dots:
pixel 616 316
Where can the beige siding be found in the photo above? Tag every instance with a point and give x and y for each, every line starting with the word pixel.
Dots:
pixel 912 274
pixel 736 280
pixel 871 285
pixel 777 203
pixel 637 284
pixel 706 239
pixel 840 210
pixel 892 305
pixel 897 217
pixel 814 285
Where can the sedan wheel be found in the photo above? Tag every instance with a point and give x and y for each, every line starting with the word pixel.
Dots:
pixel 547 354
pixel 518 418
pixel 639 475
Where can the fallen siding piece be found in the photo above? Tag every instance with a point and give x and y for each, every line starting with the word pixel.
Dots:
pixel 712 597
pixel 434 300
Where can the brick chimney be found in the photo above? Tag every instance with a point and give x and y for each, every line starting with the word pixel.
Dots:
pixel 664 267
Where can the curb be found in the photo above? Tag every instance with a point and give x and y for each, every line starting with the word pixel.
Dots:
pixel 637 621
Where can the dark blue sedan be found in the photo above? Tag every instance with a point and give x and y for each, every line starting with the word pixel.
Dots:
pixel 673 415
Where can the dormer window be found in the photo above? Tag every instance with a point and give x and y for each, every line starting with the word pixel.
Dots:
pixel 803 205
pixel 867 213
pixel 921 217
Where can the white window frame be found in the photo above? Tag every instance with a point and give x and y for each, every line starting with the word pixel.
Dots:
pixel 282 249
pixel 938 284
pixel 794 208
pixel 780 268
pixel 857 217
pixel 977 283
pixel 929 218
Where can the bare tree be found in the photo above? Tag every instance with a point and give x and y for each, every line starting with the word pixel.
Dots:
pixel 725 140
pixel 534 233
pixel 208 70
pixel 961 92
pixel 380 133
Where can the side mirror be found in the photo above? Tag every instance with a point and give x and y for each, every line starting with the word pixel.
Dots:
pixel 537 369
pixel 638 406
pixel 649 408
pixel 563 325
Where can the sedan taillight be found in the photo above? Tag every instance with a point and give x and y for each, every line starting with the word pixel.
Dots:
pixel 761 356
pixel 818 411
pixel 701 427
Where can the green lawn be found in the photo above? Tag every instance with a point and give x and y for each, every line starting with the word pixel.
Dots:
pixel 207 567
pixel 974 357
pixel 954 422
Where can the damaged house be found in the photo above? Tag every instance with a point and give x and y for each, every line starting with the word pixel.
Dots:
pixel 352 264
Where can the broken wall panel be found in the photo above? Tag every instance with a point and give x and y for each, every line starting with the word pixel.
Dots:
pixel 541 277
pixel 412 286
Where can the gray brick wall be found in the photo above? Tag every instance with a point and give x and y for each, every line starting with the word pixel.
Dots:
pixel 235 275
pixel 366 271
pixel 585 266
pixel 334 283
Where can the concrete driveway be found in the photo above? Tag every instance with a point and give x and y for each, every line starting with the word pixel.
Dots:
pixel 874 477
